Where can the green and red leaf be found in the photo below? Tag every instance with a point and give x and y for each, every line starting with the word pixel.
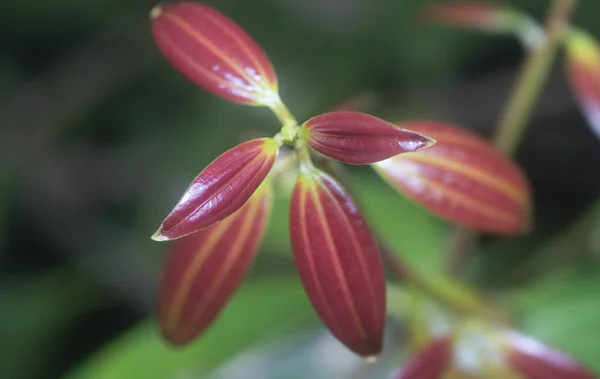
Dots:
pixel 338 261
pixel 203 270
pixel 583 69
pixel 491 353
pixel 220 189
pixel 538 361
pixel 429 363
pixel 214 52
pixel 486 16
pixel 463 179
pixel 358 138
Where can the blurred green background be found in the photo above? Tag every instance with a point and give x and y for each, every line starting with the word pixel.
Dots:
pixel 99 136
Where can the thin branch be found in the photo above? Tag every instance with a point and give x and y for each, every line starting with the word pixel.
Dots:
pixel 519 109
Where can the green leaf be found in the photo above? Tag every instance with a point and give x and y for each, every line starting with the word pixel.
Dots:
pixel 563 310
pixel 277 237
pixel 415 233
pixel 261 309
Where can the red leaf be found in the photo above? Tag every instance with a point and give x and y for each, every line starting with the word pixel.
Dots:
pixel 583 69
pixel 538 361
pixel 203 270
pixel 429 363
pixel 338 261
pixel 471 14
pixel 220 189
pixel 214 52
pixel 359 138
pixel 463 179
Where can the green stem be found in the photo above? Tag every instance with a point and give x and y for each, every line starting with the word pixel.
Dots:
pixel 456 298
pixel 303 154
pixel 534 73
pixel 290 132
pixel 518 111
pixel 282 113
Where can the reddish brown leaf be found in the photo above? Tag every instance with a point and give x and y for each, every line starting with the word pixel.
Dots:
pixel 583 68
pixel 463 179
pixel 220 189
pixel 214 52
pixel 472 14
pixel 537 361
pixel 430 363
pixel 338 261
pixel 203 270
pixel 359 138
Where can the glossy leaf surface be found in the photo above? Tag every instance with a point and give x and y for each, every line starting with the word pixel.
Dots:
pixel 358 138
pixel 338 261
pixel 204 269
pixel 220 189
pixel 583 69
pixel 538 361
pixel 214 52
pixel 429 363
pixel 462 179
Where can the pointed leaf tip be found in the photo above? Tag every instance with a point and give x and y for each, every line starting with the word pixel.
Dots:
pixel 212 51
pixel 463 179
pixel 338 262
pixel 220 189
pixel 583 70
pixel 158 237
pixel 156 11
pixel 359 138
pixel 203 270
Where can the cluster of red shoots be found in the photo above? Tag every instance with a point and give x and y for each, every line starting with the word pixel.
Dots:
pixel 218 223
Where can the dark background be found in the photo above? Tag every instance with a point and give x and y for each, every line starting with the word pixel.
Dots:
pixel 99 135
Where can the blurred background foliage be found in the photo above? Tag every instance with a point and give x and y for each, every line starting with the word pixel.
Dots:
pixel 99 135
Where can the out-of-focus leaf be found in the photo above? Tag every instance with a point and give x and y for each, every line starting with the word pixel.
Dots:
pixel 489 17
pixel 479 350
pixel 277 237
pixel 562 310
pixel 260 310
pixel 463 178
pixel 429 363
pixel 413 232
pixel 338 261
pixel 538 361
pixel 583 69
pixel 471 14
pixel 203 270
